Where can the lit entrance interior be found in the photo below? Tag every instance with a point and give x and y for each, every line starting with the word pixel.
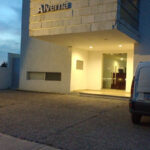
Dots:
pixel 114 71
pixel 88 52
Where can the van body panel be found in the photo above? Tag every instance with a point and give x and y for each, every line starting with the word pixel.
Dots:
pixel 140 107
pixel 140 101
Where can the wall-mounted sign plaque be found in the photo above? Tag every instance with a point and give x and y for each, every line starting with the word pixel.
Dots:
pixel 49 7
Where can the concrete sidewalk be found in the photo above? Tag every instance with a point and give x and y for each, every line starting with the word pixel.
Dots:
pixel 11 143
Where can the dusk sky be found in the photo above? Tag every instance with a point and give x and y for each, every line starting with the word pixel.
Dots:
pixel 10 27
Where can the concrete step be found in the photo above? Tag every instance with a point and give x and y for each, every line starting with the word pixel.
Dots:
pixel 103 96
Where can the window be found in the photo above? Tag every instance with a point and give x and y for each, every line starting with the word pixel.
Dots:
pixel 144 82
pixel 79 65
pixel 35 76
pixel 129 12
pixel 48 76
pixel 53 76
pixel 135 2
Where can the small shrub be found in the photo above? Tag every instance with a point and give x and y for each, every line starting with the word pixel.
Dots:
pixel 4 64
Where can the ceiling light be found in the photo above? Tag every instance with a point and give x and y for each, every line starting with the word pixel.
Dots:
pixel 105 39
pixel 121 59
pixel 90 47
pixel 120 45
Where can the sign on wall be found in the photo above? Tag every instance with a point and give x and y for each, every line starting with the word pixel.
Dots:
pixel 51 8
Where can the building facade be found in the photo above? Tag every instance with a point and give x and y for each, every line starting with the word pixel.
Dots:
pixel 82 44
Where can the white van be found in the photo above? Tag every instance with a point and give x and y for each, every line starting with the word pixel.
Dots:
pixel 140 93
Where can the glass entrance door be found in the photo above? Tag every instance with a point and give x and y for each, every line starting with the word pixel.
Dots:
pixel 114 71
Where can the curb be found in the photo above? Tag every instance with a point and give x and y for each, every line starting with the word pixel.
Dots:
pixel 11 143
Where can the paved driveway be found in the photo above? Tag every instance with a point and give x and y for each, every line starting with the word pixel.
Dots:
pixel 72 122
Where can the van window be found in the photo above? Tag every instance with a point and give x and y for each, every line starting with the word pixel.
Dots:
pixel 144 80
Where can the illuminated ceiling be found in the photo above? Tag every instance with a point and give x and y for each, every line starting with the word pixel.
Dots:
pixel 103 40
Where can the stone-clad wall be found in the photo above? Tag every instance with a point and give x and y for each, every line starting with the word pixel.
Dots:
pixel 84 16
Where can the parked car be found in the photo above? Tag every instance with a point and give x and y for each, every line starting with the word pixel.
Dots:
pixel 139 104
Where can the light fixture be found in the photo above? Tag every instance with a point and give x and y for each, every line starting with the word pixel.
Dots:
pixel 121 59
pixel 120 45
pixel 90 47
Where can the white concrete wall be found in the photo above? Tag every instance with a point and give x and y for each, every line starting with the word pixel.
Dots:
pixel 95 67
pixel 4 78
pixel 79 77
pixel 91 75
pixel 84 16
pixel 130 69
pixel 41 56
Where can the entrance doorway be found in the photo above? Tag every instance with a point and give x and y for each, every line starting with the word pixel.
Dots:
pixel 114 71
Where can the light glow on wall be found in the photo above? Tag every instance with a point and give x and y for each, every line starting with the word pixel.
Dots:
pixel 91 47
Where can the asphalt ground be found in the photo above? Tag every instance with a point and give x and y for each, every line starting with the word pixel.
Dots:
pixel 71 122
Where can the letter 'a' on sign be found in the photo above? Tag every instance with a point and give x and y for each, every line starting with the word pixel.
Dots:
pixel 48 8
pixel 69 5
